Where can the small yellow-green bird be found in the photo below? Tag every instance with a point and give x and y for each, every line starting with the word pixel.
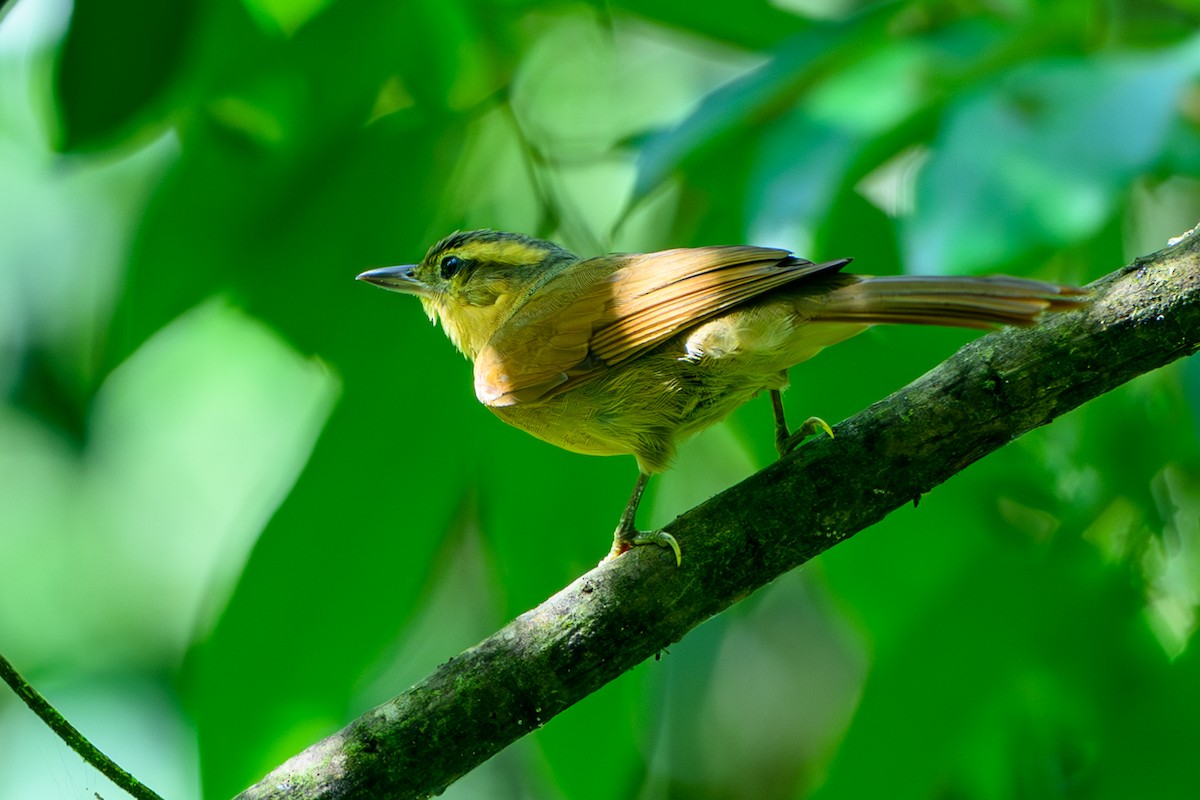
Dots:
pixel 634 352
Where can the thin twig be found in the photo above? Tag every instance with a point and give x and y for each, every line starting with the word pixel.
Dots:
pixel 71 735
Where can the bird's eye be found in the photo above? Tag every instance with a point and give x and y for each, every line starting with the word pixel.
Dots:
pixel 451 265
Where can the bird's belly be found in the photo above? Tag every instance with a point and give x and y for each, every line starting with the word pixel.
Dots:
pixel 569 421
pixel 643 409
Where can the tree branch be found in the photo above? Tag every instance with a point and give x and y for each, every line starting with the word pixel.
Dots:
pixel 610 619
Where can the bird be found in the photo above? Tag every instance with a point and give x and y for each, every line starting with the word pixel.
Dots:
pixel 632 353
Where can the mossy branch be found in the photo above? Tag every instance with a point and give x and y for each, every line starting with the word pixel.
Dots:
pixel 993 390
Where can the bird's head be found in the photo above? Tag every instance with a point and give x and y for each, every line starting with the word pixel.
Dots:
pixel 471 280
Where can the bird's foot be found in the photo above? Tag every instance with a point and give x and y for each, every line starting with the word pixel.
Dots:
pixel 624 539
pixel 786 443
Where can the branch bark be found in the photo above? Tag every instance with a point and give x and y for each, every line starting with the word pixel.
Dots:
pixel 994 389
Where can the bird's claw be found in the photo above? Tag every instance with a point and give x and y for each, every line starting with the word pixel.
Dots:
pixel 624 540
pixel 787 444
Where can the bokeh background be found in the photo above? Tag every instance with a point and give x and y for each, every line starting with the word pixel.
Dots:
pixel 244 498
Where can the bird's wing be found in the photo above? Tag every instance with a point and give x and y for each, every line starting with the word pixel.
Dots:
pixel 604 311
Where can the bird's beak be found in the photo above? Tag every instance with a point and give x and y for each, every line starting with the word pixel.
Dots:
pixel 396 279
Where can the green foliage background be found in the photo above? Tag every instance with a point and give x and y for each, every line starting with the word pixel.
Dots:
pixel 243 498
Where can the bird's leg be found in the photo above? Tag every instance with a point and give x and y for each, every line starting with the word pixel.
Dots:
pixel 627 535
pixel 786 442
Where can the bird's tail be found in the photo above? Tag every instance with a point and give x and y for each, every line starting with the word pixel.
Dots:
pixel 964 302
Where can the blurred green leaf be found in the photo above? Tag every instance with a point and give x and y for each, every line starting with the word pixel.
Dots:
pixel 745 101
pixel 285 16
pixel 816 155
pixel 116 66
pixel 756 24
pixel 192 444
pixel 1000 646
pixel 597 749
pixel 1063 141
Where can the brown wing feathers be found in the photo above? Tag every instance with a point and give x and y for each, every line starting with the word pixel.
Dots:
pixel 642 319
pixel 604 312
